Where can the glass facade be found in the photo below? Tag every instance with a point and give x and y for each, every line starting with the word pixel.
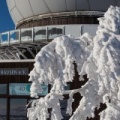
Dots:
pixel 18 109
pixel 34 34
pixel 26 34
pixel 40 33
pixel 54 32
pixel 13 100
pixel 3 88
pixel 3 102
pixel 63 104
pixel 3 109
pixel 15 95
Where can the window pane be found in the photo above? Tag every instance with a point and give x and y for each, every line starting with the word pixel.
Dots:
pixel 67 87
pixel 63 104
pixel 40 34
pixel 26 34
pixel 18 109
pixel 3 109
pixel 3 88
pixel 54 32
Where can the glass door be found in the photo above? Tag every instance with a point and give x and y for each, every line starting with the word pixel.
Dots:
pixel 3 109
pixel 18 109
pixel 3 101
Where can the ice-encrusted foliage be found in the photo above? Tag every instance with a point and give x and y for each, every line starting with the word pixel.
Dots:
pixel 54 66
pixel 54 63
pixel 103 65
pixel 39 108
pixel 99 58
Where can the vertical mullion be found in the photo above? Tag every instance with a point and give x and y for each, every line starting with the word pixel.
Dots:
pixel 8 102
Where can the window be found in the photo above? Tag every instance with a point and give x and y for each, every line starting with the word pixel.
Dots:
pixel 18 109
pixel 3 109
pixel 54 32
pixel 3 88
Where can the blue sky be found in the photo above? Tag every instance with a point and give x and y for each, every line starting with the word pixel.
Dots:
pixel 6 22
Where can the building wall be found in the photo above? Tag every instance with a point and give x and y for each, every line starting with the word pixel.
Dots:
pixel 12 107
pixel 59 21
pixel 15 78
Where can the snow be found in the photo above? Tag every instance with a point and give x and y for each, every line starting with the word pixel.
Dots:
pixel 54 63
pixel 105 60
pixel 97 56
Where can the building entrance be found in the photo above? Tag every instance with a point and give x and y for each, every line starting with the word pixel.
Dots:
pixel 17 109
pixel 14 90
pixel 3 109
pixel 13 108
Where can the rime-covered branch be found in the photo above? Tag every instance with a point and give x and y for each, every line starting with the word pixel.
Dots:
pixel 98 57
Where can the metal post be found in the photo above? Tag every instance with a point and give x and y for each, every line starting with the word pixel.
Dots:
pixel 63 32
pixel 47 34
pixel 20 36
pixel 33 34
pixel 0 39
pixel 81 30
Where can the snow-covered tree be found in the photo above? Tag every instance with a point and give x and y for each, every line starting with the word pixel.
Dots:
pixel 98 57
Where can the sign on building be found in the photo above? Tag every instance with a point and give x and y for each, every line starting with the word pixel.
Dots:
pixel 14 71
pixel 24 89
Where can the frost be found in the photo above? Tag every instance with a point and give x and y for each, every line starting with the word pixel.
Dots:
pixel 98 57
pixel 104 58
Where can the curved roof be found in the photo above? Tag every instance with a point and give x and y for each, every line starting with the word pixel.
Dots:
pixel 22 9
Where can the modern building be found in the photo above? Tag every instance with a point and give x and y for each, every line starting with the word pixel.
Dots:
pixel 37 23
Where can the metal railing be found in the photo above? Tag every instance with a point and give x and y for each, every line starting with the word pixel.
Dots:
pixel 34 34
